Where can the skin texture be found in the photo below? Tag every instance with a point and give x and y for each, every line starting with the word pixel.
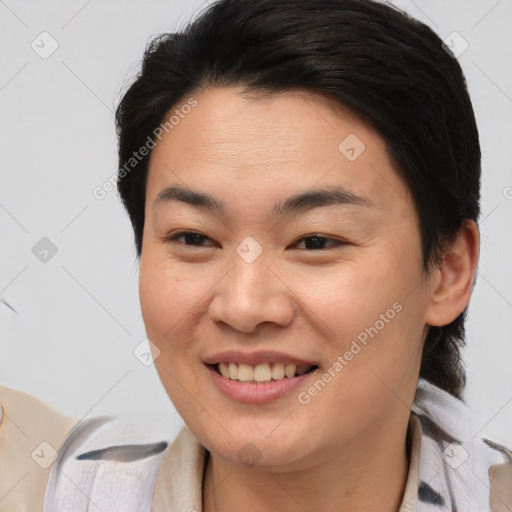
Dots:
pixel 346 448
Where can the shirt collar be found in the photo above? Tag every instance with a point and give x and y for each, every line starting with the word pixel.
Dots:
pixel 179 484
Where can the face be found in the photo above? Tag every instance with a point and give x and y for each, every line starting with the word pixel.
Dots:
pixel 331 281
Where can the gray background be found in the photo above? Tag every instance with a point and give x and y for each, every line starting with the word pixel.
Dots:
pixel 77 319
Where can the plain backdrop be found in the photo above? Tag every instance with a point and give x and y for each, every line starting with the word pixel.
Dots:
pixel 67 262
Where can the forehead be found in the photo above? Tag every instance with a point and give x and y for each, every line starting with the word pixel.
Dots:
pixel 263 145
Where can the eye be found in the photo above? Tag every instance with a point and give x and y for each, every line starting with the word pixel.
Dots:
pixel 190 238
pixel 316 242
pixel 195 239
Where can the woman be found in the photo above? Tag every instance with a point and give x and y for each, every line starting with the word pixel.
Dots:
pixel 303 183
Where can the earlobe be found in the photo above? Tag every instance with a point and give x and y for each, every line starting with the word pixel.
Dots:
pixel 452 283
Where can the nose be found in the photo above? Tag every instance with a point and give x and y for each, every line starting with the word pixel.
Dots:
pixel 251 294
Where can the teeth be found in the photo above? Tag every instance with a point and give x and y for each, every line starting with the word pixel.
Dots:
pixel 278 371
pixel 233 371
pixel 223 368
pixel 245 372
pixel 261 372
pixel 289 370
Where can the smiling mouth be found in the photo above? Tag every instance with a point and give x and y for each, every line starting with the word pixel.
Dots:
pixel 260 373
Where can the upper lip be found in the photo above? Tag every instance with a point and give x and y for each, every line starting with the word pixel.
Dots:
pixel 255 358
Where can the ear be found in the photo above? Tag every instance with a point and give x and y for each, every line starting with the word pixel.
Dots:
pixel 452 283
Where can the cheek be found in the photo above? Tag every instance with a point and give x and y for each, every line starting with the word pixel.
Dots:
pixel 166 297
pixel 342 301
pixel 370 310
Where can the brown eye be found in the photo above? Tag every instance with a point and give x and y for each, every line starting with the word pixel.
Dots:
pixel 190 238
pixel 317 242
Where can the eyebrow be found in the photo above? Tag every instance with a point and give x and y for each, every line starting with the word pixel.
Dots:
pixel 299 203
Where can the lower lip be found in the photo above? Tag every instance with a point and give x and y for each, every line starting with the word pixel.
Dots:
pixel 257 393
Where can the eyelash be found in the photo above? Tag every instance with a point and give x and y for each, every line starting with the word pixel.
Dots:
pixel 174 237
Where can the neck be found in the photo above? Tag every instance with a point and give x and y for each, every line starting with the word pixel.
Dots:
pixel 370 475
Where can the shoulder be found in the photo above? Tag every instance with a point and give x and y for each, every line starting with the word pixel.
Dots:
pixel 31 433
pixel 49 461
pixel 106 461
pixel 110 462
pixel 473 470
